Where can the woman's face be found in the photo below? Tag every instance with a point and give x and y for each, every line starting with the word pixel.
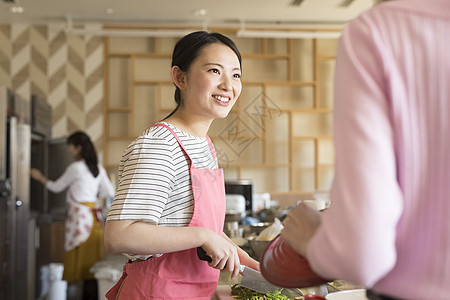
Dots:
pixel 74 150
pixel 213 82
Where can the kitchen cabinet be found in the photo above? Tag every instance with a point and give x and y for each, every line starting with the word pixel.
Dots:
pixel 279 134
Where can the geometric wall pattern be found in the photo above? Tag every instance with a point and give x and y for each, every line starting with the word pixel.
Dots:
pixel 65 70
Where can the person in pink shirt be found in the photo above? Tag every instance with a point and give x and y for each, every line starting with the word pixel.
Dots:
pixel 388 227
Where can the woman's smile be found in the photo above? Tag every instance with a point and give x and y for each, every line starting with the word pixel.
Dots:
pixel 223 100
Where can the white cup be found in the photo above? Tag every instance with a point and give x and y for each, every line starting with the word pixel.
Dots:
pixel 316 204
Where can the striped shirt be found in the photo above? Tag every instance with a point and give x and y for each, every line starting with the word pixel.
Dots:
pixel 154 179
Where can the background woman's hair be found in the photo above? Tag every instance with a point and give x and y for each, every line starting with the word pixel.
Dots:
pixel 187 50
pixel 88 153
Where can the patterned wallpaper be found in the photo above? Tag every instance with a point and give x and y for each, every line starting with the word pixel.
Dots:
pixel 64 70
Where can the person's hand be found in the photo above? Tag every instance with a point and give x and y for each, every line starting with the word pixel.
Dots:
pixel 223 253
pixel 250 262
pixel 36 174
pixel 300 226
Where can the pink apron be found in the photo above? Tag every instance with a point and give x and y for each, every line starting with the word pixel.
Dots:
pixel 180 275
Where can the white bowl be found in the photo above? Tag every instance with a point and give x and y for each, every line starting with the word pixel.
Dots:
pixel 358 294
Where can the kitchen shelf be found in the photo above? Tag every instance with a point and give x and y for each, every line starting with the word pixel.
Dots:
pixel 310 110
pixel 265 56
pixel 150 82
pixel 256 166
pixel 280 83
pixel 325 137
pixel 278 133
pixel 141 55
pixel 326 57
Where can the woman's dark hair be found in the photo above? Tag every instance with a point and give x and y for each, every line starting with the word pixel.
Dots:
pixel 188 48
pixel 88 153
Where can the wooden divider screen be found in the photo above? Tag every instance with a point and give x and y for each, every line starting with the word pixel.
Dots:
pixel 279 134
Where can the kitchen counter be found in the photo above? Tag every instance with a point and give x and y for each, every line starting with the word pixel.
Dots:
pixel 223 292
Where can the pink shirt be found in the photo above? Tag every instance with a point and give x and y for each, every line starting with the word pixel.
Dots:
pixel 389 224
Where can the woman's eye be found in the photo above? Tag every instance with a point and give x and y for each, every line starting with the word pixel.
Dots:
pixel 237 75
pixel 215 71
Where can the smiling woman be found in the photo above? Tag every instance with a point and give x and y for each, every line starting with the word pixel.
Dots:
pixel 201 73
pixel 171 195
pixel 209 89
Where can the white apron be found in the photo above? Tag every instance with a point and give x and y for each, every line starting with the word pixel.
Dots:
pixel 79 222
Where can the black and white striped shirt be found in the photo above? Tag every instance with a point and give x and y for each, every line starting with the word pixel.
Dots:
pixel 154 181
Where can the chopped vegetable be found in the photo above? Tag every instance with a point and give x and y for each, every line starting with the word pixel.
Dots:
pixel 239 292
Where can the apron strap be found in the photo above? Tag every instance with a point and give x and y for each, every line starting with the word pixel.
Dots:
pixel 211 148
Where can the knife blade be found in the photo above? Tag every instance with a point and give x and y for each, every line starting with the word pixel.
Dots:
pixel 252 279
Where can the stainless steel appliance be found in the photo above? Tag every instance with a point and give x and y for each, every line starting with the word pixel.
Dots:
pixel 51 157
pixel 40 134
pixel 15 136
pixel 58 160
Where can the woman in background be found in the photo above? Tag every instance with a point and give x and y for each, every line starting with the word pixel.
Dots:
pixel 84 181
pixel 171 194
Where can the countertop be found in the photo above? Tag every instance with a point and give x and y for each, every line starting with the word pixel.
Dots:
pixel 223 292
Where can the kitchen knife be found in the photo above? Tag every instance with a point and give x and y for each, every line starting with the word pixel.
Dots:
pixel 252 279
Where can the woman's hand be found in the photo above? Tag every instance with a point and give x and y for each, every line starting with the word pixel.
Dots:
pixel 224 254
pixel 247 261
pixel 300 226
pixel 37 175
pixel 244 258
pixel 127 236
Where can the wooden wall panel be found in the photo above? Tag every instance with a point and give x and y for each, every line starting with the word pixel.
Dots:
pixel 64 70
pixel 279 132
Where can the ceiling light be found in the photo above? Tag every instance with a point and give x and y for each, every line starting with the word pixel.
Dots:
pixel 200 12
pixel 109 11
pixel 17 9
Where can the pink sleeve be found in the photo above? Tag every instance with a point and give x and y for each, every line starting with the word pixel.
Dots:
pixel 356 240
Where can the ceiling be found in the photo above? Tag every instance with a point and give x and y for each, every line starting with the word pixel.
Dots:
pixel 206 13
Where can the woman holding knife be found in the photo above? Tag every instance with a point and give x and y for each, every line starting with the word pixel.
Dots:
pixel 171 196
